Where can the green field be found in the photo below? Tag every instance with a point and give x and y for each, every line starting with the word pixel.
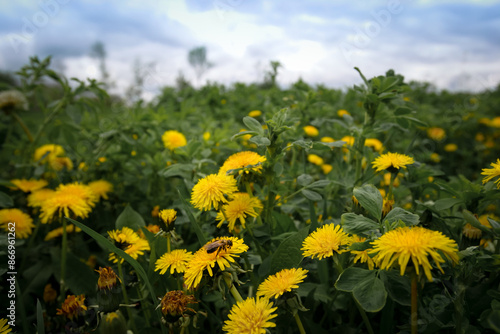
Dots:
pixel 373 209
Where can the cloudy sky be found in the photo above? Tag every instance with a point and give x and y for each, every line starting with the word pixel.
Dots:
pixel 453 44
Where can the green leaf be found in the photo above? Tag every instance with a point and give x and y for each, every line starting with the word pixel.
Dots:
pixel 319 145
pixel 5 200
pixel 401 214
pixel 303 144
pixel 112 248
pixel 177 170
pixel 319 184
pixel 288 254
pixel 194 224
pixel 129 218
pixel 402 111
pixel 260 141
pixel 311 195
pixel 352 277
pixel 244 133
pixel 40 325
pixel 357 224
pixel 253 125
pixel 398 287
pixel 446 203
pixel 304 179
pixel 371 294
pixel 493 320
pixel 370 199
pixel 79 278
pixel 471 219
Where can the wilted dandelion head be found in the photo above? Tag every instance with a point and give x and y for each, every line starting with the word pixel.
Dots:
pixel 417 244
pixel 251 316
pixel 13 99
pixel 73 307
pixel 107 278
pixel 175 303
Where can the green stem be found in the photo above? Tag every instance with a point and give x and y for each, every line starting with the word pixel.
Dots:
pixel 168 242
pixel 299 323
pixel 414 303
pixel 365 317
pixel 232 288
pixel 125 296
pixel 64 250
pixel 23 125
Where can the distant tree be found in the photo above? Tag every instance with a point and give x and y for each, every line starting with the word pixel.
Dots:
pixel 197 58
pixel 141 73
pixel 271 75
pixel 98 52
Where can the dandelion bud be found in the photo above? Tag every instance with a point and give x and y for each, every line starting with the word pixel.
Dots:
pixel 113 323
pixel 108 291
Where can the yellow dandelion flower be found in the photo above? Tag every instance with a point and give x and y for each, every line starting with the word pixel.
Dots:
pixel 239 207
pixel 315 159
pixel 495 122
pixel 327 140
pixel 436 133
pixel 248 160
pixel 4 326
pixel 415 243
pixel 14 220
pixel 326 168
pixel 73 307
pixel 471 232
pixel 451 147
pixel 325 241
pixel 491 173
pixel 81 190
pixel 175 303
pixel 311 131
pixel 363 257
pixel 177 260
pixel 342 112
pixel 128 241
pixel 219 251
pixel 391 161
pixel 83 166
pixel 387 205
pixel 101 188
pixel 173 139
pixel 64 203
pixel 48 152
pixel 36 198
pixel 283 281
pixel 58 163
pixel 255 113
pixel 206 136
pixel 70 228
pixel 135 136
pixel 156 211
pixel 374 143
pixel 211 191
pixel 133 153
pixel 435 157
pixel 168 216
pixel 30 185
pixel 251 316
pixel 349 140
